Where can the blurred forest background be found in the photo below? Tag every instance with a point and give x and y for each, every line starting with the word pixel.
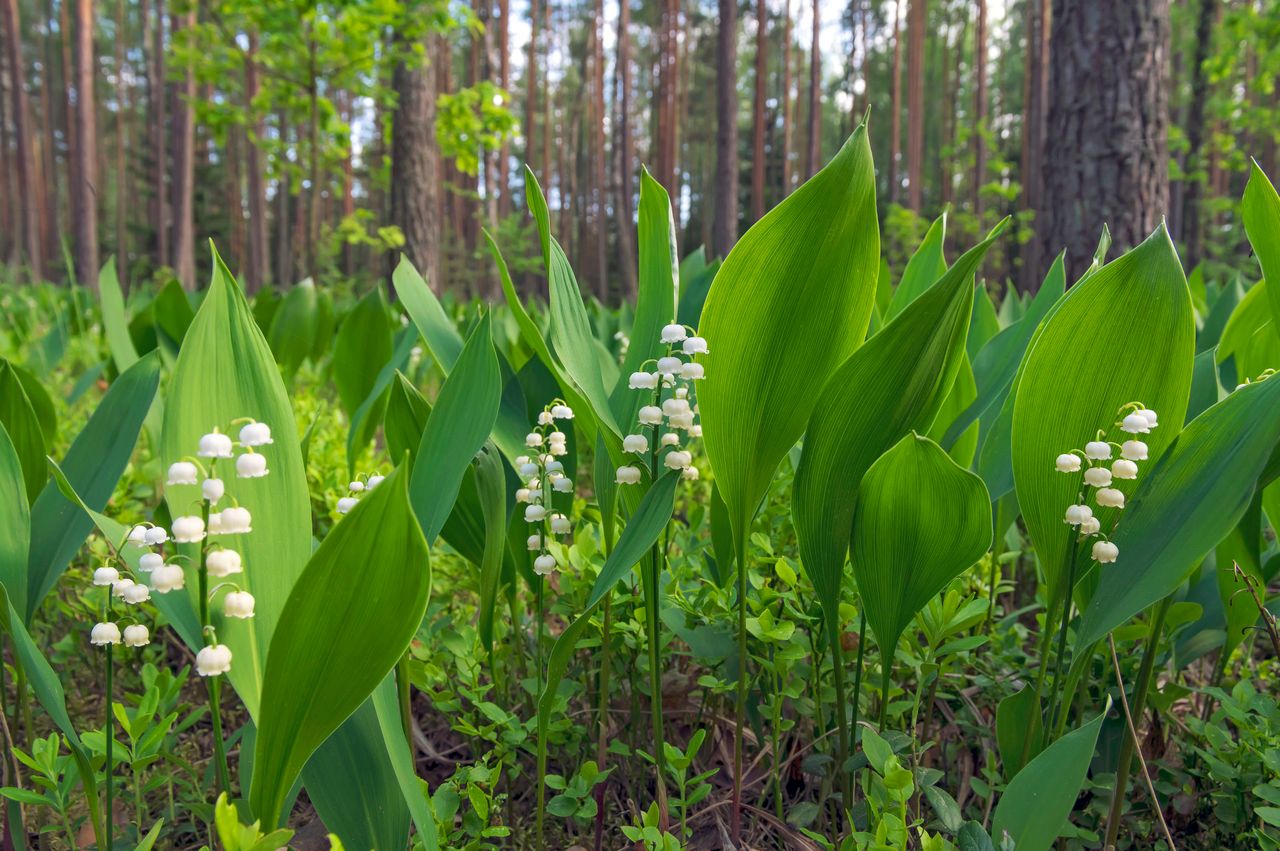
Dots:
pixel 320 139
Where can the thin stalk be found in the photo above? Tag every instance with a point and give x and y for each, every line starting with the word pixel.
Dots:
pixel 857 676
pixel 404 697
pixel 886 669
pixel 995 581
pixel 1062 642
pixel 24 701
pixel 740 703
pixel 214 683
pixel 602 741
pixel 842 723
pixel 111 734
pixel 1046 636
pixel 1139 706
pixel 137 801
pixel 655 684
pixel 1074 674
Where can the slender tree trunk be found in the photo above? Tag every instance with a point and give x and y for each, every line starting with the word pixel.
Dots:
pixel 1034 92
pixel 315 195
pixel 85 192
pixel 813 156
pixel 285 202
pixel 980 109
pixel 67 31
pixel 157 133
pixel 950 88
pixel 599 159
pixel 1106 153
pixel 10 206
pixel 184 165
pixel 725 225
pixel 51 227
pixel 348 184
pixel 668 50
pixel 1193 166
pixel 124 189
pixel 27 167
pixel 625 153
pixel 256 270
pixel 917 21
pixel 531 92
pixel 757 116
pixel 415 161
pixel 788 109
pixel 895 118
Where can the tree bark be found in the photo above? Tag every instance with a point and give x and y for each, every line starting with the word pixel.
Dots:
pixel 85 192
pixel 256 269
pixel 415 162
pixel 27 166
pixel 1193 166
pixel 757 116
pixel 895 110
pixel 124 189
pixel 599 170
pixel 980 109
pixel 1034 92
pixel 813 155
pixel 788 109
pixel 184 166
pixel 157 134
pixel 531 93
pixel 625 154
pixel 1106 152
pixel 503 172
pixel 725 225
pixel 917 21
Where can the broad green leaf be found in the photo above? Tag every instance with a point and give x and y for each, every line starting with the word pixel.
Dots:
pixel 41 401
pixel 694 287
pixel 1035 806
pixel 1124 334
pixel 334 644
pixel 364 422
pixel 491 488
pixel 1261 213
pixel 460 423
pixel 921 520
pixel 1186 502
pixel 93 465
pixel 18 418
pixel 360 352
pixel 439 332
pixel 293 328
pixel 983 325
pixel 1223 306
pixel 924 267
pixel 172 311
pixel 15 521
pixel 114 321
pixel 893 384
pixel 406 417
pixel 789 305
pixel 964 392
pixel 1241 546
pixel 412 787
pixel 1014 715
pixel 1248 338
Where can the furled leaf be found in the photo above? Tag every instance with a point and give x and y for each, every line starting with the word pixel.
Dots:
pixel 1014 715
pixel 412 787
pixel 1261 213
pixel 924 267
pixel 921 520
pixel 360 351
pixel 439 332
pixel 15 521
pixel 789 305
pixel 1124 334
pixel 18 418
pixel 114 321
pixel 364 422
pixel 491 486
pixel 332 647
pixel 1240 547
pixel 293 328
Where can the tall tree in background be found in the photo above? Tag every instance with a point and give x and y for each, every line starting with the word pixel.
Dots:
pixel 531 91
pixel 29 190
pixel 757 114
pixel 1106 142
pixel 124 187
pixel 917 21
pixel 184 162
pixel 415 159
pixel 599 170
pixel 788 103
pixel 980 108
pixel 256 269
pixel 813 154
pixel 85 192
pixel 895 111
pixel 625 154
pixel 1035 87
pixel 1193 165
pixel 725 225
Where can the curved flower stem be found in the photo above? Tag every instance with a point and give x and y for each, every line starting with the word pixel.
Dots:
pixel 1054 694
pixel 110 730
pixel 214 683
pixel 842 722
pixel 740 704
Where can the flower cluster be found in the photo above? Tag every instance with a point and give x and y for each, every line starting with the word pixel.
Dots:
pixel 354 489
pixel 542 475
pixel 669 413
pixel 1102 472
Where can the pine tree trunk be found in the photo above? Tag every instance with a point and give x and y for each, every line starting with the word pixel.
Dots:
pixel 813 155
pixel 157 132
pixel 757 116
pixel 284 244
pixel 503 173
pixel 1034 92
pixel 84 193
pixel 980 110
pixel 895 110
pixel 124 188
pixel 531 93
pixel 599 159
pixel 1194 167
pixel 917 21
pixel 184 153
pixel 415 161
pixel 26 161
pixel 256 270
pixel 725 224
pixel 625 154
pixel 1106 143
pixel 788 109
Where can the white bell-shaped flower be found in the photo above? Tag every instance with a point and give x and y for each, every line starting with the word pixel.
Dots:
pixel 222 563
pixel 1077 514
pixel 693 371
pixel 677 460
pixel 635 443
pixel 1097 450
pixel 212 490
pixel 695 430
pixel 534 543
pixel 554 467
pixel 188 530
pixel 238 604
pixel 561 412
pixel 650 415
pixel 215 524
pixel 104 633
pixel 1105 552
pixel 544 564
pixel 355 486
pixel 136 635
pixel 669 365
pixel 183 473
pixel 533 439
pixel 1152 420
pixel 521 460
pixel 135 594
pixel 690 474
pixel 345 504
pixel 253 465
pixel 1110 498
pixel 149 562
pixel 534 513
pixel 562 484
pixel 643 380
pixel 670 438
pixel 1098 477
pixel 236 520
pixel 168 577
pixel 156 535
pixel 527 470
pixel 118 589
pixel 681 421
pixel 374 481
pixel 1135 423
pixel 1123 468
pixel 544 418
pixel 213 660
pixel 1134 450
pixel 524 495
pixel 138 535
pixel 560 524
pixel 628 475
pixel 695 346
pixel 105 577
pixel 1067 462
pixel 672 407
pixel 558 449
pixel 215 445
pixel 1090 526
pixel 255 434
pixel 673 333
pixel 557 437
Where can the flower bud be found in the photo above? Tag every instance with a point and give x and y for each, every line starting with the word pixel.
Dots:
pixel 1068 462
pixel 183 473
pixel 255 434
